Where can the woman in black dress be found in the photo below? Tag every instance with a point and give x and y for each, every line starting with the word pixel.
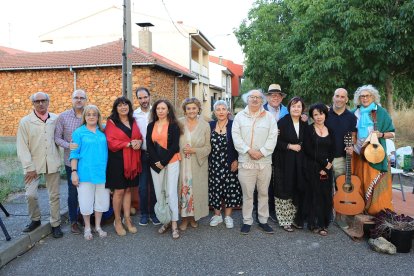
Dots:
pixel 319 150
pixel 289 184
pixel 124 161
pixel 223 183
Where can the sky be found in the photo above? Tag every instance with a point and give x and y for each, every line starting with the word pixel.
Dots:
pixel 23 21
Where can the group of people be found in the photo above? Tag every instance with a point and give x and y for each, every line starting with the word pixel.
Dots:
pixel 270 160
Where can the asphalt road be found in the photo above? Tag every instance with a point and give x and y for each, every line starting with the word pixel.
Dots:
pixel 208 251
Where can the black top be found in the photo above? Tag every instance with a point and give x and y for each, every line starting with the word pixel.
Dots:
pixel 288 164
pixel 340 125
pixel 319 149
pixel 232 154
pixel 173 146
pixel 115 178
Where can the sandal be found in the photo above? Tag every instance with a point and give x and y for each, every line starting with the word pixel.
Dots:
pixel 102 233
pixel 164 228
pixel 297 226
pixel 288 228
pixel 129 226
pixel 88 234
pixel 175 234
pixel 323 232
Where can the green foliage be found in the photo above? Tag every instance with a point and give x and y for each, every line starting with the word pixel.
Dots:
pixel 8 150
pixel 10 182
pixel 312 47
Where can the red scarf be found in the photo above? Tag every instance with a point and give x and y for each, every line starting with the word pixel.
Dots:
pixel 118 140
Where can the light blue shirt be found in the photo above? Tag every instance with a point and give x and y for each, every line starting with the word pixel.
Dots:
pixel 92 155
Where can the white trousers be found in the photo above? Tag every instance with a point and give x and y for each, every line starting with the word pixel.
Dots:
pixel 172 171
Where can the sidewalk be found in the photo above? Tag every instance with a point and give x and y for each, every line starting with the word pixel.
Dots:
pixel 21 242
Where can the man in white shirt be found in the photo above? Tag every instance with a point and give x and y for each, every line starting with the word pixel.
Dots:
pixel 146 190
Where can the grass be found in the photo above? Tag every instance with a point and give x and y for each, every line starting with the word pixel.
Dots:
pixel 10 183
pixel 403 119
pixel 7 150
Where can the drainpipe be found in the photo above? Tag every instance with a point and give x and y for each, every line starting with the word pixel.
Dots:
pixel 175 90
pixel 74 77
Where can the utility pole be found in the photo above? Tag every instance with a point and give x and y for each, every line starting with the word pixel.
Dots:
pixel 126 54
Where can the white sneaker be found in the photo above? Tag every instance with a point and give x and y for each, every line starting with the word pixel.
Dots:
pixel 216 220
pixel 229 222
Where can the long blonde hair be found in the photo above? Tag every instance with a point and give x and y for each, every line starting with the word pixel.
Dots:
pixel 96 109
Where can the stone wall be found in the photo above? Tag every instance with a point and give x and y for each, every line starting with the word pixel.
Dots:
pixel 103 86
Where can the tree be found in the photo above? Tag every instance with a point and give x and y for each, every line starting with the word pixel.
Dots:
pixel 319 45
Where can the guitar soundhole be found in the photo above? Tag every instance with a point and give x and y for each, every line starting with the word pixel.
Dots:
pixel 347 188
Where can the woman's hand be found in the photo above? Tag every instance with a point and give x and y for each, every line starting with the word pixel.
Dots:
pixel 75 178
pixel 188 150
pixel 328 166
pixel 234 166
pixel 158 165
pixel 295 147
pixel 136 144
pixel 73 146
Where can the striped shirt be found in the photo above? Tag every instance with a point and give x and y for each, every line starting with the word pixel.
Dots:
pixel 66 124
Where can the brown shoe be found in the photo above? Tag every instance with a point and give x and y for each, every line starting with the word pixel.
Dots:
pixel 183 224
pixel 74 228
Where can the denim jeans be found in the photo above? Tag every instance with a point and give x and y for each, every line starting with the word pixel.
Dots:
pixel 72 197
pixel 146 189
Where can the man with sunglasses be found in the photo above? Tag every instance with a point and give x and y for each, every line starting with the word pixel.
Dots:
pixel 66 124
pixel 39 155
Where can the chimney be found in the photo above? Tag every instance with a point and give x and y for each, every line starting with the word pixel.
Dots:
pixel 145 36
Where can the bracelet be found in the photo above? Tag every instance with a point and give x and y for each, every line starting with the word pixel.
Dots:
pixel 288 146
pixel 74 170
pixel 383 134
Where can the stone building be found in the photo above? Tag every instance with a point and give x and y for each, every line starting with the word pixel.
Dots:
pixel 97 70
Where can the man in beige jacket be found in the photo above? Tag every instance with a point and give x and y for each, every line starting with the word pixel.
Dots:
pixel 39 154
pixel 254 133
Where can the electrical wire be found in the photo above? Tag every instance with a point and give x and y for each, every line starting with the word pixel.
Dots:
pixel 172 21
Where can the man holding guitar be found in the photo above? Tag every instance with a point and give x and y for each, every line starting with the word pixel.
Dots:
pixel 341 121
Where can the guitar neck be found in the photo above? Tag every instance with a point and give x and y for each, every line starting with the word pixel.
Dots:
pixel 348 169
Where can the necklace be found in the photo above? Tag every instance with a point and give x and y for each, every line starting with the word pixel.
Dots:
pixel 222 127
pixel 320 129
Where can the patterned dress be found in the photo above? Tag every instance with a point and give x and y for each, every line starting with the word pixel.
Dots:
pixel 223 183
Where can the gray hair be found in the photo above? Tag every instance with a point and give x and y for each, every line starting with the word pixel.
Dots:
pixel 246 96
pixel 32 97
pixel 79 91
pixel 220 102
pixel 371 89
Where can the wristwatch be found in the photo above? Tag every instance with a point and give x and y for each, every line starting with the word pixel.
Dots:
pixel 74 170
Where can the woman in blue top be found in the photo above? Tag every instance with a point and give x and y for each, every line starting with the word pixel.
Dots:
pixel 88 162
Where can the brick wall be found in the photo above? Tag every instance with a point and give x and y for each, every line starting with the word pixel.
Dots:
pixel 103 86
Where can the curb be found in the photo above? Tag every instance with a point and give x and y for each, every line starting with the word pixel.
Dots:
pixel 24 243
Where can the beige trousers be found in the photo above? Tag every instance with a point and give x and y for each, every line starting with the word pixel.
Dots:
pixel 249 180
pixel 52 185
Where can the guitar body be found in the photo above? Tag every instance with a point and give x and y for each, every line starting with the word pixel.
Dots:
pixel 348 200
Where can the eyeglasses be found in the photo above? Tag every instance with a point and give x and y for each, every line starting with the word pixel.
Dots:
pixel 364 96
pixel 91 115
pixel 255 97
pixel 79 98
pixel 40 101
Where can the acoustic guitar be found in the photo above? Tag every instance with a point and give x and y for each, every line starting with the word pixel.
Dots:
pixel 348 200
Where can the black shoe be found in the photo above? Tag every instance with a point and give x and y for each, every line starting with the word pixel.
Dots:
pixel 273 217
pixel 57 232
pixel 31 226
pixel 245 229
pixel 266 228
